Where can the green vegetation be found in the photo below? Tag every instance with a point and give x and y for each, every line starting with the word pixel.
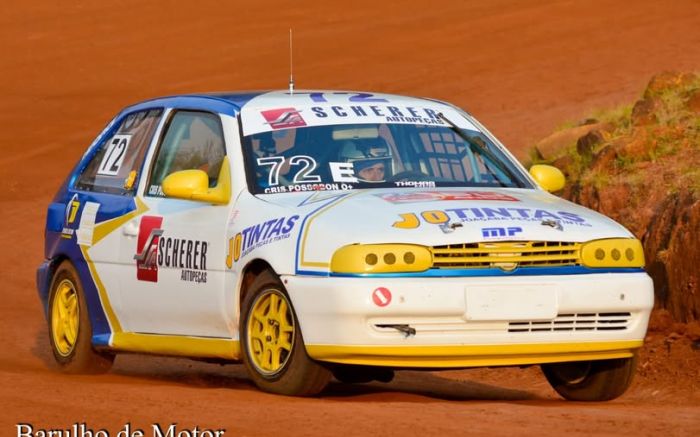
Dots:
pixel 650 145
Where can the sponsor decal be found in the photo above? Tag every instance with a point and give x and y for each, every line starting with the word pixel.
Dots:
pixel 386 113
pixel 300 170
pixel 72 209
pixel 381 296
pixel 155 249
pixel 331 108
pixel 259 235
pixel 156 190
pixel 283 118
pixel 147 248
pixel 86 227
pixel 71 213
pixel 482 214
pixel 433 196
pixel 308 187
pixel 500 232
pixel 415 184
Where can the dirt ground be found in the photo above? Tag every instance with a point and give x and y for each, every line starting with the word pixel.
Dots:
pixel 522 67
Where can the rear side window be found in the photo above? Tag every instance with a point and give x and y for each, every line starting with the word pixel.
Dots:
pixel 193 140
pixel 114 168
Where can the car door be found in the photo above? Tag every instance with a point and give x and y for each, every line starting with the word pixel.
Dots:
pixel 101 195
pixel 176 248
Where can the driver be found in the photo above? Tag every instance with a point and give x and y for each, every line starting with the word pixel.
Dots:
pixel 371 158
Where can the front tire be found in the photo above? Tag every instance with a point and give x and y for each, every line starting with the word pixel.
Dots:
pixel 70 331
pixel 600 380
pixel 272 344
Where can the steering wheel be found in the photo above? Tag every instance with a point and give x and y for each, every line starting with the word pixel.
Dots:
pixel 409 175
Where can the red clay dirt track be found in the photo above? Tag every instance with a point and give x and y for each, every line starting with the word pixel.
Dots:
pixel 523 67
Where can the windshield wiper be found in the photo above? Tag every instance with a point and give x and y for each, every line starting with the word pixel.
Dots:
pixel 480 148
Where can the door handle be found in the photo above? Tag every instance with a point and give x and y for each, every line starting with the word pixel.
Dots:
pixel 131 229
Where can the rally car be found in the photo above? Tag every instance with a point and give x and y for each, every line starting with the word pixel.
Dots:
pixel 321 233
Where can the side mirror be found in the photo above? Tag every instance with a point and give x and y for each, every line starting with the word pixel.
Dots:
pixel 194 185
pixel 548 177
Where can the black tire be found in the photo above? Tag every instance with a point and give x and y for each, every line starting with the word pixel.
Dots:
pixel 601 380
pixel 293 373
pixel 70 336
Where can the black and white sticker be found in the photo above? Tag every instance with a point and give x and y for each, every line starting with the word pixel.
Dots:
pixel 114 156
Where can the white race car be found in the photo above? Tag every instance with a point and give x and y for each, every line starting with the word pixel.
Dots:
pixel 321 233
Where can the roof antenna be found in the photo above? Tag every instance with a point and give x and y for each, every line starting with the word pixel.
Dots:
pixel 291 71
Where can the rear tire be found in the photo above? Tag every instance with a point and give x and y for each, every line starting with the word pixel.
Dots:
pixel 70 331
pixel 601 380
pixel 272 344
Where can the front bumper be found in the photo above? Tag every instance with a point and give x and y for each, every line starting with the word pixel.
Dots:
pixel 472 321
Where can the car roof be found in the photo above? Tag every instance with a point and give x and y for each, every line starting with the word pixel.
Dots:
pixel 231 103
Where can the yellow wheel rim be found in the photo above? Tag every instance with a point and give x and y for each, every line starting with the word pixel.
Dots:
pixel 270 332
pixel 65 314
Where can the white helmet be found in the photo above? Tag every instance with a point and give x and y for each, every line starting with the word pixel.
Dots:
pixel 366 152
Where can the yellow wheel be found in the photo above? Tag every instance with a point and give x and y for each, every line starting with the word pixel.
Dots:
pixel 270 332
pixel 70 331
pixel 272 343
pixel 65 314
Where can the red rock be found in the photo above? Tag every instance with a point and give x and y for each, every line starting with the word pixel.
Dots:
pixel 585 144
pixel 644 112
pixel 552 146
pixel 604 159
pixel 667 80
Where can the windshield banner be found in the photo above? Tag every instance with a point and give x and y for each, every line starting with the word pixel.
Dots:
pixel 318 109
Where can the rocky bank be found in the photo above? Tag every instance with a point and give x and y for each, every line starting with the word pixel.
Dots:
pixel 640 165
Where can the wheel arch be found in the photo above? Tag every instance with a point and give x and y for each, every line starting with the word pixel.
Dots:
pixel 44 276
pixel 248 274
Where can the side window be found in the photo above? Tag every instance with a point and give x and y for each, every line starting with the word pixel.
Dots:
pixel 114 168
pixel 193 140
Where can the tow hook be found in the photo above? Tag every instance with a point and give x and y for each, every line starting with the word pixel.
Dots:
pixel 406 330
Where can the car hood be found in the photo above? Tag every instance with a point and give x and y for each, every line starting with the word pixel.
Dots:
pixel 441 216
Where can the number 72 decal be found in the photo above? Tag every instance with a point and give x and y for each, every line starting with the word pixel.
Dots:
pixel 304 174
pixel 114 156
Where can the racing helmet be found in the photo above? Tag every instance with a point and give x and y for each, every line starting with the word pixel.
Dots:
pixel 365 155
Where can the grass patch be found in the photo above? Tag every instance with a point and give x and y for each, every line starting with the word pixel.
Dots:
pixel 618 117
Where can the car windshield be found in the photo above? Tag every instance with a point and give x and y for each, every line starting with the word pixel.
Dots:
pixel 349 156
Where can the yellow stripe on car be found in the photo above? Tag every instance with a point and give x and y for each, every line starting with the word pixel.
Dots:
pixel 177 345
pixel 107 227
pixel 471 355
pixel 101 231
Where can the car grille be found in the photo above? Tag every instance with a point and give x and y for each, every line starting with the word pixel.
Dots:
pixel 575 322
pixel 506 255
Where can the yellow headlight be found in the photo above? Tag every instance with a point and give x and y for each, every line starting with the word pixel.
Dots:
pixel 381 258
pixel 613 252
